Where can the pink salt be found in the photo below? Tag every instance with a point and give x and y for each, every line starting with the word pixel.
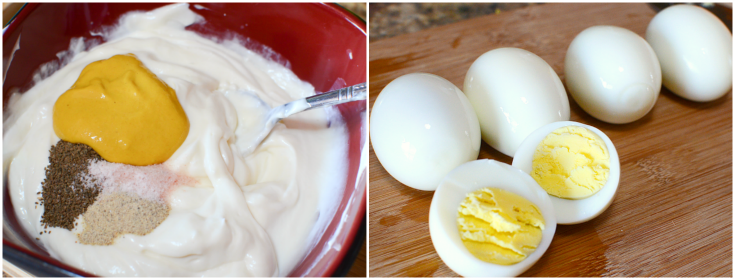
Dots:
pixel 152 182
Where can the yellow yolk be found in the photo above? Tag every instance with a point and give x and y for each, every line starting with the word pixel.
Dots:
pixel 123 111
pixel 571 162
pixel 498 226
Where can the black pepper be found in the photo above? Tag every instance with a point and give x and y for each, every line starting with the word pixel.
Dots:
pixel 64 195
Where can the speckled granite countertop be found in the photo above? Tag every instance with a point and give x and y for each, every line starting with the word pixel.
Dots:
pixel 389 19
pixel 393 19
pixel 360 9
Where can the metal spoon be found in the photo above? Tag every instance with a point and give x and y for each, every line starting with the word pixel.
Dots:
pixel 335 97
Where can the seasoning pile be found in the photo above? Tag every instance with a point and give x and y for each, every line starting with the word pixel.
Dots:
pixel 64 196
pixel 110 199
pixel 105 175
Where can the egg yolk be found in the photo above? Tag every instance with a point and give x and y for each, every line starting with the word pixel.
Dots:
pixel 498 226
pixel 123 111
pixel 572 162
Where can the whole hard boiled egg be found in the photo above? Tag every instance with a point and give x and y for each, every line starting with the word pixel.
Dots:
pixel 576 164
pixel 695 51
pixel 514 92
pixel 612 73
pixel 443 216
pixel 421 127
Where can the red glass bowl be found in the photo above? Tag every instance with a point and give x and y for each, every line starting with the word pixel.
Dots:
pixel 323 43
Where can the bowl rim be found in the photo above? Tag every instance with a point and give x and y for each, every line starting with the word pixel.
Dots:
pixel 361 210
pixel 361 183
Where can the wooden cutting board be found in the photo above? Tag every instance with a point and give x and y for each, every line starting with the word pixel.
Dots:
pixel 672 215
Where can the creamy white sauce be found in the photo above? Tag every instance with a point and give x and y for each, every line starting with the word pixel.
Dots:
pixel 250 214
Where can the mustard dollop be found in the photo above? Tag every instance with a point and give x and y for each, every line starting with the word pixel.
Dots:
pixel 123 111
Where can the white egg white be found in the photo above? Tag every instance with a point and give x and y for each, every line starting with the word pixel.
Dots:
pixel 695 51
pixel 421 127
pixel 454 188
pixel 514 92
pixel 612 73
pixel 571 211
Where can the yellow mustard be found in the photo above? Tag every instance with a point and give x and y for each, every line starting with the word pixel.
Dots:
pixel 123 111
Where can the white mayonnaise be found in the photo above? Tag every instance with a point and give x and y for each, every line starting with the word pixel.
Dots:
pixel 249 214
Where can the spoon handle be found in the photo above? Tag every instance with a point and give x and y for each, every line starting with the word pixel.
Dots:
pixel 351 93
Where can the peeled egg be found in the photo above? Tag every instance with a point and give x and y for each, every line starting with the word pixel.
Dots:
pixel 443 215
pixel 514 92
pixel 573 211
pixel 612 73
pixel 695 51
pixel 421 127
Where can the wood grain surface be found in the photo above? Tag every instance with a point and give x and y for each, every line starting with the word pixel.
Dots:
pixel 672 215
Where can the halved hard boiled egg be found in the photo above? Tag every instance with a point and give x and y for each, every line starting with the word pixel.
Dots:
pixel 576 164
pixel 452 191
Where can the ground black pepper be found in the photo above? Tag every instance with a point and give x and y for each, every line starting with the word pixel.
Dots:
pixel 64 196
